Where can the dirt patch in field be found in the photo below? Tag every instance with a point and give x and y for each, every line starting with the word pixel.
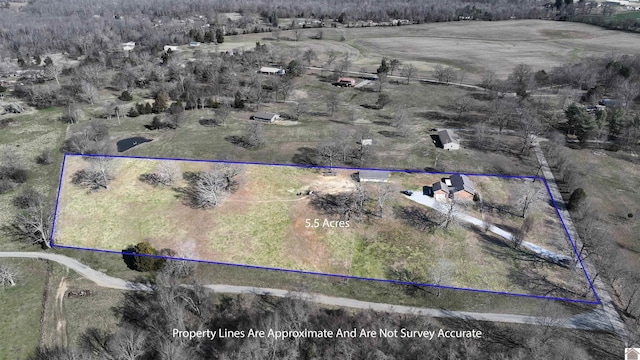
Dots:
pixel 342 182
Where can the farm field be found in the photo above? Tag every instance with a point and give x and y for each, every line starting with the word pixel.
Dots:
pixel 273 221
pixel 471 46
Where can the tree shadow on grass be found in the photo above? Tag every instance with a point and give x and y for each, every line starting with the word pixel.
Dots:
pixel 128 257
pixel 416 217
pixel 390 134
pixel 305 156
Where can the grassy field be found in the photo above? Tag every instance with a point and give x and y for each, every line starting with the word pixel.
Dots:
pixel 267 223
pixel 619 175
pixel 21 309
pixel 471 46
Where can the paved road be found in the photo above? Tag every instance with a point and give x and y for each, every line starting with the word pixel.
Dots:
pixel 586 321
pixel 425 200
pixel 609 312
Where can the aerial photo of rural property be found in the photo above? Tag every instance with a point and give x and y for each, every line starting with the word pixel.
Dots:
pixel 311 179
pixel 334 221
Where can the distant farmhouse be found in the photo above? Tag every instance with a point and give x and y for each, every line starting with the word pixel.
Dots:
pixel 448 140
pixel 128 46
pixel 346 82
pixel 265 116
pixel 194 44
pixel 457 187
pixel 373 176
pixel 271 71
pixel 173 48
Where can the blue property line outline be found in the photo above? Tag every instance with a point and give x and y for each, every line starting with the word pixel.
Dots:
pixel 398 282
pixel 55 211
pixel 575 250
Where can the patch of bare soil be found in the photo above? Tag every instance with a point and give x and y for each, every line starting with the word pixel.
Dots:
pixel 61 322
pixel 342 182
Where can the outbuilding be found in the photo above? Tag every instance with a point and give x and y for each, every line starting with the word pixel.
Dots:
pixel 448 140
pixel 271 71
pixel 373 176
pixel 265 116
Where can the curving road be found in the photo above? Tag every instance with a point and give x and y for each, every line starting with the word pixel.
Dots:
pixel 586 321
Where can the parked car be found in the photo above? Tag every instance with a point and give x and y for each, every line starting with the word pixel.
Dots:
pixel 407 192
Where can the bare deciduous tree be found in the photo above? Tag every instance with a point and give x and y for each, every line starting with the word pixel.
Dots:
pixel 97 175
pixel 333 101
pixel 448 217
pixel 88 92
pixel 8 275
pixel 208 189
pixel 33 223
pixel 462 104
pixel 443 74
pixel 401 120
pixel 408 71
pixel 254 135
pixel 441 272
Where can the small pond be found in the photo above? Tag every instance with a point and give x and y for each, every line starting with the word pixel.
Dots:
pixel 128 143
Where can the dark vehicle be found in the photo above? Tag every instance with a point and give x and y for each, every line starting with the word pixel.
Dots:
pixel 407 192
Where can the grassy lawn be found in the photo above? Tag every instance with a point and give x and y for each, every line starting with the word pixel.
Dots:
pixel 21 309
pixel 602 169
pixel 266 223
pixel 95 311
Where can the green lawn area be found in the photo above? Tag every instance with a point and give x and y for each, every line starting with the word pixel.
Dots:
pixel 627 15
pixel 21 309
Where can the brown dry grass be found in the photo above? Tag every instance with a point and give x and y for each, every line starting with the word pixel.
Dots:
pixel 264 224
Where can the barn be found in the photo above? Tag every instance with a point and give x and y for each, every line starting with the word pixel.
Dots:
pixel 373 176
pixel 448 140
pixel 265 116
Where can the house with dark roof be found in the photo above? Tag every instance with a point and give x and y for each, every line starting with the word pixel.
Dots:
pixel 448 140
pixel 440 191
pixel 464 189
pixel 457 186
pixel 265 116
pixel 373 176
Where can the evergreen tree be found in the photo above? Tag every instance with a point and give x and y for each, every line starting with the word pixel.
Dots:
pixel 160 104
pixel 208 36
pixel 384 67
pixel 125 96
pixel 576 199
pixel 238 102
pixel 219 36
pixel 133 112
pixel 146 263
pixel 616 120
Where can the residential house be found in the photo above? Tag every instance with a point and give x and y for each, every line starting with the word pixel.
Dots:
pixel 457 187
pixel 345 81
pixel 173 48
pixel 440 191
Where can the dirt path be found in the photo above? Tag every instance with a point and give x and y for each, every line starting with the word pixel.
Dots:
pixel 58 313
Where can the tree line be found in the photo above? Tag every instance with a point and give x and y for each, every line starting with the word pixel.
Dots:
pixel 194 307
pixel 82 27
